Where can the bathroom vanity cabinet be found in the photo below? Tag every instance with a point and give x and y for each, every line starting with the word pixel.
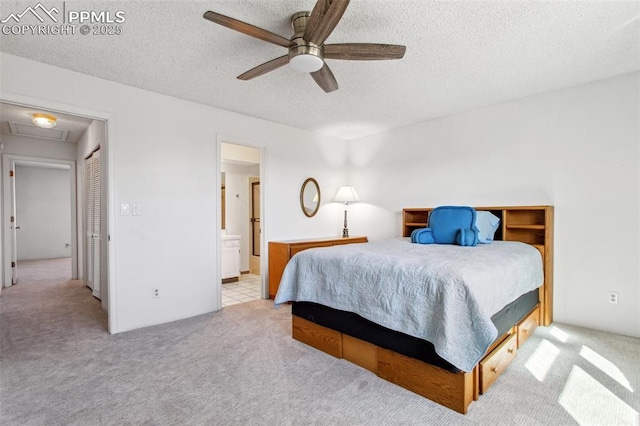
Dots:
pixel 230 258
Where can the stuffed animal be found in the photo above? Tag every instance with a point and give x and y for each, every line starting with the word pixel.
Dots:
pixel 449 225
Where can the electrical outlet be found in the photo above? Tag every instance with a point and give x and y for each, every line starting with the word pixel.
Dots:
pixel 613 298
pixel 156 293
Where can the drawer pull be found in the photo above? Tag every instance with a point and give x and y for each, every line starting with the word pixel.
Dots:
pixel 494 369
pixel 510 350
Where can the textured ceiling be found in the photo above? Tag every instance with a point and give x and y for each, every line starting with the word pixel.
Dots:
pixel 75 126
pixel 460 55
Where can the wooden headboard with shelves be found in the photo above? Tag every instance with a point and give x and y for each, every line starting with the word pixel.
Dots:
pixel 528 224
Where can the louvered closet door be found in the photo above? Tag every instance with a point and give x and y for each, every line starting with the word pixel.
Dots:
pixel 93 222
pixel 88 196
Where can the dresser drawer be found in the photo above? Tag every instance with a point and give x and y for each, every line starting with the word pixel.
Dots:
pixel 527 326
pixel 350 240
pixel 494 364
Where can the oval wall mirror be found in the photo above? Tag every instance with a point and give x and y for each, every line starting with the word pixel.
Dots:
pixel 310 197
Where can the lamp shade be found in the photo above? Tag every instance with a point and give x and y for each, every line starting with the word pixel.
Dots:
pixel 347 194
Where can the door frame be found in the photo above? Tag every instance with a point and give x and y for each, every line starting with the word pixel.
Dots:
pixel 110 124
pixel 221 138
pixel 9 161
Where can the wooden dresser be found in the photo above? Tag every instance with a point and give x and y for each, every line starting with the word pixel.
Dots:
pixel 281 251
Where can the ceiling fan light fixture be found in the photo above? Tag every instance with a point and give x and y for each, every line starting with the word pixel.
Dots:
pixel 306 63
pixel 46 121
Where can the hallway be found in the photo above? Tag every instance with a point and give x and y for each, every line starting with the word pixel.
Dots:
pixel 45 297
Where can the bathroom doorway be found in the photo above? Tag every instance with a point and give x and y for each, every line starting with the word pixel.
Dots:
pixel 241 227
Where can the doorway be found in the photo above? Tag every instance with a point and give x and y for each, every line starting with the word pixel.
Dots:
pixel 241 208
pixel 40 209
pixel 43 219
pixel 77 132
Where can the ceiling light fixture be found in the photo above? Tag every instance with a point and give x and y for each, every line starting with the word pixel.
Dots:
pixel 46 121
pixel 306 62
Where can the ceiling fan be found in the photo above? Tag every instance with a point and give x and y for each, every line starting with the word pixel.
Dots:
pixel 307 51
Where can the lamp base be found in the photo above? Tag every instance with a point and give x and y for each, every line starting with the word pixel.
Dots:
pixel 345 230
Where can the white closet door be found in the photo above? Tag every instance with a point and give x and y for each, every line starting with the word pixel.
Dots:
pixel 96 224
pixel 14 225
pixel 92 194
pixel 88 196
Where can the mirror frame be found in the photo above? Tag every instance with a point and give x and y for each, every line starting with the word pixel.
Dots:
pixel 304 186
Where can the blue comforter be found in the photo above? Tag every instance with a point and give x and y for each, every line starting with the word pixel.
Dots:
pixel 445 294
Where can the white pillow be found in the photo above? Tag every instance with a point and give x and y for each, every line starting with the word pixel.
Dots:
pixel 487 224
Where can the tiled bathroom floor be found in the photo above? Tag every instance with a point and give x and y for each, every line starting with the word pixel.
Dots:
pixel 244 290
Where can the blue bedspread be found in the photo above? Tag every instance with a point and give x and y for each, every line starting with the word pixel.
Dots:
pixel 445 294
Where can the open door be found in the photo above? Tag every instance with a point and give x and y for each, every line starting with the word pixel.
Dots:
pixel 14 224
pixel 93 220
pixel 256 231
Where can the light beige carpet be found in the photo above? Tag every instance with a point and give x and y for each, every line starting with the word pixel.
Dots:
pixel 58 366
pixel 51 270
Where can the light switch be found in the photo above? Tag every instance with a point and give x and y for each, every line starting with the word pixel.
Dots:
pixel 124 209
pixel 136 210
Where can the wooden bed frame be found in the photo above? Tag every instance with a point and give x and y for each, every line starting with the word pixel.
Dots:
pixel 532 225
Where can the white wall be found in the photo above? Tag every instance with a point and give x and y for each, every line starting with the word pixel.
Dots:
pixel 245 154
pixel 43 207
pixel 162 153
pixel 31 147
pixel 577 149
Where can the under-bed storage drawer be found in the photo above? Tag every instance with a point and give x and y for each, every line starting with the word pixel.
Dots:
pixel 497 361
pixel 312 334
pixel 527 326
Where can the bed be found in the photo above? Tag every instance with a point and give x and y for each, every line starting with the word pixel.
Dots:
pixel 445 327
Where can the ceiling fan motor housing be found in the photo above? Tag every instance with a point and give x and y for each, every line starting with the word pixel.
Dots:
pixel 304 55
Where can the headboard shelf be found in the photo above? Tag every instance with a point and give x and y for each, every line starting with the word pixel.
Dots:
pixel 528 224
pixel 525 217
pixel 525 227
pixel 417 224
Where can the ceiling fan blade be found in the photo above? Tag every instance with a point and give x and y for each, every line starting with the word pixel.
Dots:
pixel 265 68
pixel 364 51
pixel 325 79
pixel 323 19
pixel 247 29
